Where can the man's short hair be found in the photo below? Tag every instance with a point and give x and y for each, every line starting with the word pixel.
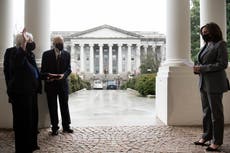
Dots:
pixel 58 39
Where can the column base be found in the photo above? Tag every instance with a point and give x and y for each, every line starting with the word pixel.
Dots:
pixel 178 98
pixel 6 117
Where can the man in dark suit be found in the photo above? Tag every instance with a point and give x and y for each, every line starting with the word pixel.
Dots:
pixel 54 70
pixel 23 83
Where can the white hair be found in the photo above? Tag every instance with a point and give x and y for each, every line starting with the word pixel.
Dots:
pixel 19 38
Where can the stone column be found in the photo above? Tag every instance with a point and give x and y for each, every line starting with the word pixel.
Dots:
pixel 145 51
pixel 101 66
pixel 82 58
pixel 129 58
pixel 6 41
pixel 163 54
pixel 91 58
pixel 214 11
pixel 178 33
pixel 6 27
pixel 110 59
pixel 73 58
pixel 175 81
pixel 119 58
pixel 138 58
pixel 37 22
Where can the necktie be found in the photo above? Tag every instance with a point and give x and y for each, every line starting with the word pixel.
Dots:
pixel 59 63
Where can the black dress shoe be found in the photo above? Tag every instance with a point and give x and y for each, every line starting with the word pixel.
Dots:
pixel 212 149
pixel 68 130
pixel 201 143
pixel 54 133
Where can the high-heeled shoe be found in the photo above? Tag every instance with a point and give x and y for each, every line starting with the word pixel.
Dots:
pixel 201 143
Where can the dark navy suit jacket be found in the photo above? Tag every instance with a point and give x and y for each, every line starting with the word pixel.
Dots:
pixel 49 65
pixel 19 76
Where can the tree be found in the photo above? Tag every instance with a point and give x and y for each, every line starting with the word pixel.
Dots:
pixel 151 62
pixel 228 26
pixel 195 28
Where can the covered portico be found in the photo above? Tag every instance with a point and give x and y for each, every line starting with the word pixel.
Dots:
pixel 177 95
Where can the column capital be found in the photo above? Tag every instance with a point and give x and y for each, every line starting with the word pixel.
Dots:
pixel 129 45
pixel 81 45
pixel 119 45
pixel 91 45
pixel 110 45
pixel 100 45
pixel 145 46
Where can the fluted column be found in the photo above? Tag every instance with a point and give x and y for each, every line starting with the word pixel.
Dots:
pixel 37 22
pixel 129 58
pixel 213 11
pixel 82 58
pixel 6 26
pixel 6 41
pixel 91 58
pixel 145 51
pixel 101 58
pixel 138 58
pixel 110 59
pixel 119 54
pixel 178 33
pixel 73 58
pixel 163 53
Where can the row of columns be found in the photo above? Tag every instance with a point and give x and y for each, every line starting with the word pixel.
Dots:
pixel 101 70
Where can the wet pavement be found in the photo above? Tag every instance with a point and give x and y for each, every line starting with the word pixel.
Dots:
pixel 115 122
pixel 111 108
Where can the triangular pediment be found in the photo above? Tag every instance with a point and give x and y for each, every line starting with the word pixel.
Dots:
pixel 106 31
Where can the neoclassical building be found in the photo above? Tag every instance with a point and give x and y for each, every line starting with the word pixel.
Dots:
pixel 110 50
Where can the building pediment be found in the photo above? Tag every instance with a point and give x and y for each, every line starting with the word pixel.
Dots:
pixel 106 31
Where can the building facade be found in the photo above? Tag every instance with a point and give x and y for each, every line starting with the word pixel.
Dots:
pixel 110 51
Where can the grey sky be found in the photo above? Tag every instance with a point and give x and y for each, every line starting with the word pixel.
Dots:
pixel 76 15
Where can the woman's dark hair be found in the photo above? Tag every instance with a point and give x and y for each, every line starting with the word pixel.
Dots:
pixel 214 31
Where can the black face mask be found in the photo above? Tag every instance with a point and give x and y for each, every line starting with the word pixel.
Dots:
pixel 59 46
pixel 30 46
pixel 206 37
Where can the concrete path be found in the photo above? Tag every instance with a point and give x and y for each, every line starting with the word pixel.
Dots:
pixel 111 108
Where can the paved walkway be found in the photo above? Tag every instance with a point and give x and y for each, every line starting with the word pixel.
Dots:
pixel 118 139
pixel 97 129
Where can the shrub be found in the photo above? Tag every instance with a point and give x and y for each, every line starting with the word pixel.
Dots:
pixel 145 84
pixel 76 83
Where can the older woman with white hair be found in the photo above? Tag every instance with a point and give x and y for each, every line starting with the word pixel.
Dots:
pixel 23 83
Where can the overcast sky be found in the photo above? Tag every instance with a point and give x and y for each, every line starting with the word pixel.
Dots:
pixel 77 15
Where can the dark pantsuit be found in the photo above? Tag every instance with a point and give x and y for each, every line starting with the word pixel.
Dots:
pixel 213 118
